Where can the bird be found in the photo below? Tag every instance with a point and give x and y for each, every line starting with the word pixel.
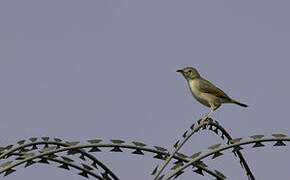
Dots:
pixel 205 92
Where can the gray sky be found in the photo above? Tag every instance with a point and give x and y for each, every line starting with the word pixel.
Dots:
pixel 81 70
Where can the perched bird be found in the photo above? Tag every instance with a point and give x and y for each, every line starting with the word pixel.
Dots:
pixel 205 92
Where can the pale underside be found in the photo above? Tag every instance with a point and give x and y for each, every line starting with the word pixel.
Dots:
pixel 206 93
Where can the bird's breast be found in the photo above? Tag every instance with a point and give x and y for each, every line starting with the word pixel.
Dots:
pixel 197 94
pixel 193 85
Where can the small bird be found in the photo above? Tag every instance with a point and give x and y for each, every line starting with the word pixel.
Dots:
pixel 205 92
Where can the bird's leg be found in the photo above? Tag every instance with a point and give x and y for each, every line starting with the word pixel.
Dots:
pixel 212 108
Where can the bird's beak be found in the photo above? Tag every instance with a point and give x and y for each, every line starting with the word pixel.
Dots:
pixel 179 71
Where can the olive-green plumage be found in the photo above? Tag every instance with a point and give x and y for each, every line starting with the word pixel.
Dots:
pixel 205 92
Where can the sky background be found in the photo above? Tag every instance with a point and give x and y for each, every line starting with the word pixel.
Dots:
pixel 81 70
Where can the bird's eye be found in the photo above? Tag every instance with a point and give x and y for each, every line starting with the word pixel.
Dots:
pixel 189 71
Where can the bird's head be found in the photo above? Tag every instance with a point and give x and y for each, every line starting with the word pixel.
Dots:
pixel 189 73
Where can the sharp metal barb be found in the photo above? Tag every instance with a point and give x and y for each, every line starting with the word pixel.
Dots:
pixel 73 143
pixel 217 154
pixel 250 177
pixel 257 136
pixel 52 156
pixel 27 155
pixel 29 163
pixel 117 141
pixel 19 158
pixel 177 165
pixel 199 171
pixel 2 149
pixel 161 177
pixel 72 152
pixel 210 127
pixel 33 139
pixel 94 164
pixel 57 140
pixel 195 155
pixel 23 150
pixel 84 174
pixel 46 146
pixel 201 163
pixel 215 146
pixel 241 162
pixel 228 142
pixel 9 171
pixel 218 178
pixel 138 151
pixel 67 159
pixel 95 141
pixel 158 156
pixel 87 167
pixel 210 120
pixel 192 126
pixel 7 156
pixel 279 135
pixel 176 144
pixel 237 148
pixel 105 176
pixel 4 165
pixel 165 156
pixel 21 142
pixel 279 143
pixel 45 138
pixel 177 161
pixel 184 134
pixel 139 144
pixel 258 144
pixel 222 136
pixel 236 140
pixel 198 122
pixel 82 156
pixel 154 170
pixel 43 160
pixel 216 130
pixel 160 148
pixel 9 147
pixel 64 166
pixel 178 174
pixel 94 149
pixel 116 149
pixel 181 155
pixel 235 154
pixel 221 175
pixel 34 146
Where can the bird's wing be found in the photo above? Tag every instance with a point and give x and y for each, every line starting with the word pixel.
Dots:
pixel 207 87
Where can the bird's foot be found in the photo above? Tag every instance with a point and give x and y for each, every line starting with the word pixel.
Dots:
pixel 204 121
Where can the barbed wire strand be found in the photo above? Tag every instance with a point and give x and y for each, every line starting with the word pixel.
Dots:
pixel 178 170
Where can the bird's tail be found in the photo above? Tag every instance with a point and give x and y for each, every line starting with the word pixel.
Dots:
pixel 238 103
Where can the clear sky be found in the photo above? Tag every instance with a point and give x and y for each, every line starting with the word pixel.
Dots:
pixel 81 70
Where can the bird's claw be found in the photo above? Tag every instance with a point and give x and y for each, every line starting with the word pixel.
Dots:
pixel 204 121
